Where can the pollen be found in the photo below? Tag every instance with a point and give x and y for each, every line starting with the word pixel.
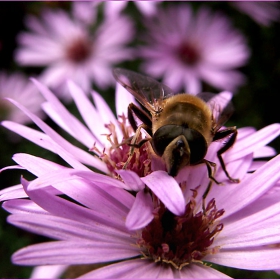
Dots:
pixel 181 240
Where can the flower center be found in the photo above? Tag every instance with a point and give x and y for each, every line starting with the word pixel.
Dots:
pixel 118 154
pixel 188 54
pixel 181 240
pixel 79 50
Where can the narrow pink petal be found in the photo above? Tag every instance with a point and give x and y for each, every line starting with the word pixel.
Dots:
pixel 238 196
pixel 63 208
pixel 100 178
pixel 245 131
pixel 83 135
pixel 23 206
pixel 36 165
pixel 167 190
pixel 252 258
pixel 256 165
pixel 12 193
pixel 137 268
pixel 199 271
pixel 253 142
pixel 105 112
pixel 259 237
pixel 68 149
pixel 33 135
pixel 238 169
pixel 141 212
pixel 11 167
pixel 66 229
pixel 131 179
pixel 93 196
pixel 87 111
pixel 74 125
pixel 123 99
pixel 73 252
pixel 265 151
pixel 48 271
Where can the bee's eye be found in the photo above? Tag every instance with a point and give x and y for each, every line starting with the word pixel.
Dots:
pixel 197 144
pixel 164 135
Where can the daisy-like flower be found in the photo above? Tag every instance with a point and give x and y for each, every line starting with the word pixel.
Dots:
pixel 263 12
pixel 68 49
pixel 185 49
pixel 161 232
pixel 19 88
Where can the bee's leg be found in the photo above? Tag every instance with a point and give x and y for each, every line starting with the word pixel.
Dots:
pixel 147 124
pixel 205 195
pixel 210 165
pixel 134 145
pixel 220 135
pixel 141 115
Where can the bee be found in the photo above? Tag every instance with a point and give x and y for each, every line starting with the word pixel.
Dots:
pixel 181 126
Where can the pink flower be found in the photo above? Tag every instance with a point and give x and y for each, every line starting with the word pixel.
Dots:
pixel 19 88
pixel 263 12
pixel 185 49
pixel 68 49
pixel 161 232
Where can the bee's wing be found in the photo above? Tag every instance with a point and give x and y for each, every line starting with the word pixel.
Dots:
pixel 149 92
pixel 221 106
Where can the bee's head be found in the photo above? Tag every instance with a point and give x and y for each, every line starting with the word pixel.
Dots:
pixel 177 155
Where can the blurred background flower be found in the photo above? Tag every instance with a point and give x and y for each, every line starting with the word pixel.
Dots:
pixel 185 48
pixel 234 45
pixel 72 50
pixel 263 12
pixel 19 88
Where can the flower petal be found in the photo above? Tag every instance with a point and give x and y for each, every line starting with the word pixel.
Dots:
pixel 141 212
pixel 73 252
pixel 36 165
pixel 48 271
pixel 123 99
pixel 63 208
pixel 105 112
pixel 126 270
pixel 198 271
pixel 131 179
pixel 238 196
pixel 66 229
pixel 19 206
pixel 167 190
pixel 252 258
pixel 89 113
pixel 12 193
pixel 58 142
pixel 77 129
pixel 253 142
